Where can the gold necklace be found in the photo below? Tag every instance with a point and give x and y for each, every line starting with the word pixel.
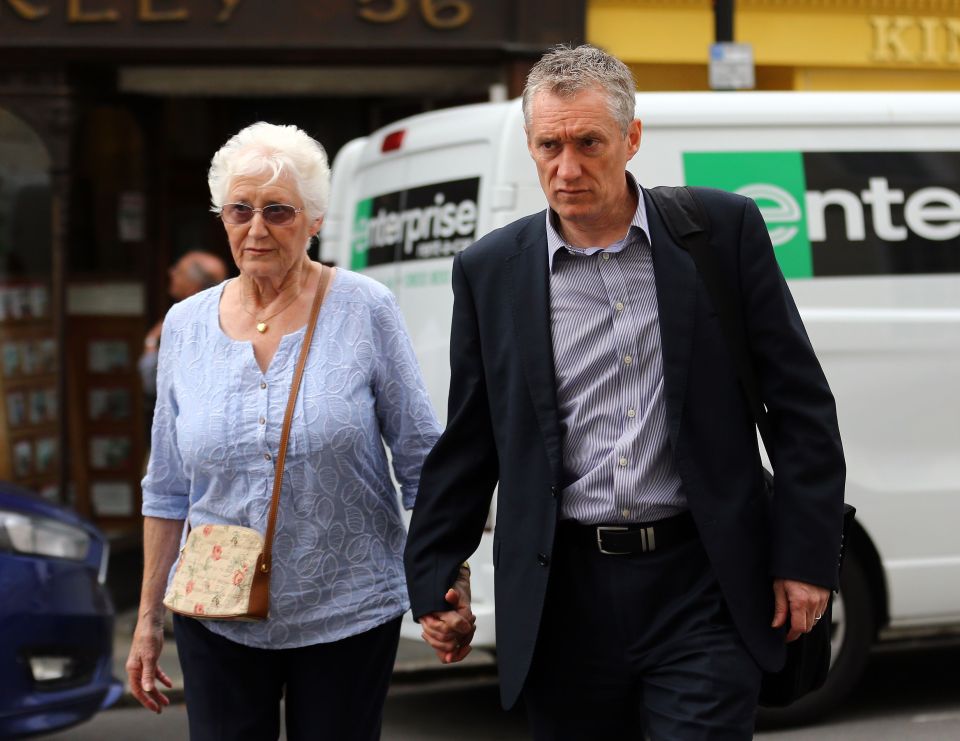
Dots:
pixel 262 323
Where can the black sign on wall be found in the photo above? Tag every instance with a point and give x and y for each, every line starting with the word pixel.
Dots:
pixel 471 25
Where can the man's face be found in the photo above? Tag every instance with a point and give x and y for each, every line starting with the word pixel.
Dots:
pixel 581 154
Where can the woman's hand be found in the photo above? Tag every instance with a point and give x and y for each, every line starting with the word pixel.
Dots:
pixel 160 542
pixel 143 671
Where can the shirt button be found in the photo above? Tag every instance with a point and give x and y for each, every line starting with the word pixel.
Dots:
pixel 623 461
pixel 605 255
pixel 631 413
pixel 627 359
pixel 266 456
pixel 263 420
pixel 625 512
pixel 263 384
pixel 618 306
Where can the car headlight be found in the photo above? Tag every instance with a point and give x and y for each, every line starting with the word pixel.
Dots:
pixel 41 536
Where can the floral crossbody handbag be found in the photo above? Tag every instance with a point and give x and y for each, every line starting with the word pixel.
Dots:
pixel 224 570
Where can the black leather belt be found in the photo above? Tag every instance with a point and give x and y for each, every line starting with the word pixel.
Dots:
pixel 623 540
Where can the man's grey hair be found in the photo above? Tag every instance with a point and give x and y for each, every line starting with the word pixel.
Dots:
pixel 566 71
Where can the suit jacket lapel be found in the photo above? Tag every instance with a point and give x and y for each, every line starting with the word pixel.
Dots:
pixel 676 278
pixel 529 288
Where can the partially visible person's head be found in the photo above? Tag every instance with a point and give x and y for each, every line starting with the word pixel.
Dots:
pixel 269 153
pixel 194 272
pixel 565 71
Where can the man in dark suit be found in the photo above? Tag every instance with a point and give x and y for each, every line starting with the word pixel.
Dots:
pixel 643 577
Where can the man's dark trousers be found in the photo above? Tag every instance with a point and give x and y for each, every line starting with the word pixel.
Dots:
pixel 638 644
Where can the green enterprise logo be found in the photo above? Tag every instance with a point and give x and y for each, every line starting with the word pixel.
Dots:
pixel 776 181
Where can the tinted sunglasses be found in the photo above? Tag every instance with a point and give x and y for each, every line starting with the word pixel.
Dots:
pixel 277 214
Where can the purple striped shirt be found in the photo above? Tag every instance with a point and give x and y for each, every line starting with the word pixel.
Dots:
pixel 609 367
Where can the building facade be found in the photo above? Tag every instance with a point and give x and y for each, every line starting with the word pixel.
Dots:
pixel 111 109
pixel 109 113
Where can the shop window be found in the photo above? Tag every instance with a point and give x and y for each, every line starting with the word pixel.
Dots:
pixel 25 216
pixel 108 221
pixel 29 388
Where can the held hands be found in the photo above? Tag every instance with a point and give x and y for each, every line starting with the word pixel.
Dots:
pixel 142 668
pixel 803 603
pixel 450 632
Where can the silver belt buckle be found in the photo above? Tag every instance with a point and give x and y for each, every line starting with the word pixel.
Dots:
pixel 647 539
pixel 609 528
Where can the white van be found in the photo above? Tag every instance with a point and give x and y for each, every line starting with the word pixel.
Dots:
pixel 861 194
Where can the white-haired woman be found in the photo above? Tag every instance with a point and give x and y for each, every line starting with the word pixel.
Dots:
pixel 226 365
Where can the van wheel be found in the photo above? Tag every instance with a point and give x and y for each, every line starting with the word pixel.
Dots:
pixel 852 631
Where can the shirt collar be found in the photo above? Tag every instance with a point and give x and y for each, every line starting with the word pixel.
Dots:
pixel 556 242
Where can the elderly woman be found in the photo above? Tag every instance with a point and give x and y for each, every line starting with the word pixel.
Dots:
pixel 227 358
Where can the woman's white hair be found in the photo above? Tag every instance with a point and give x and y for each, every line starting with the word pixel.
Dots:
pixel 280 151
pixel 566 71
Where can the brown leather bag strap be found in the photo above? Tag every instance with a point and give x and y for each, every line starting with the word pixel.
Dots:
pixel 326 275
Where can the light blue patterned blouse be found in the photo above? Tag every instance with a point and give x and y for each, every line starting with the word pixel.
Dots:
pixel 337 557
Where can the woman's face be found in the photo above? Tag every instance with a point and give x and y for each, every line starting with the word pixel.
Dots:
pixel 261 249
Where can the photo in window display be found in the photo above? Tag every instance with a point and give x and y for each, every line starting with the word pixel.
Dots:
pixel 29 301
pixel 29 359
pixel 22 458
pixel 43 406
pixel 16 409
pixel 18 302
pixel 107 356
pixel 39 301
pixel 110 404
pixel 108 452
pixel 11 359
pixel 112 498
pixel 46 454
pixel 47 355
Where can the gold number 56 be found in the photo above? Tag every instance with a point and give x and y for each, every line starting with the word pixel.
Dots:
pixel 437 13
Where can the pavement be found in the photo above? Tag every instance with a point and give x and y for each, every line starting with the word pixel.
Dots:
pixel 416 669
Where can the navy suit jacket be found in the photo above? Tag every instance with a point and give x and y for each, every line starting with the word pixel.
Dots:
pixel 503 428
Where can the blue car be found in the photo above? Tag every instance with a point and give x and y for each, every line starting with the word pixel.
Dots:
pixel 56 618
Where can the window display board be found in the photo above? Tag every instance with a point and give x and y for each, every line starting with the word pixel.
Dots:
pixel 29 403
pixel 106 418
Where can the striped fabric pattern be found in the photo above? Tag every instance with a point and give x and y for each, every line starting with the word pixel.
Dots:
pixel 610 388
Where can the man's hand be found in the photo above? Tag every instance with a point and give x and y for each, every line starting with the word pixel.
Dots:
pixel 804 603
pixel 450 632
pixel 143 670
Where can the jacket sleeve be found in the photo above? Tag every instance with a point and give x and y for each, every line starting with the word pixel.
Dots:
pixel 459 474
pixel 806 509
